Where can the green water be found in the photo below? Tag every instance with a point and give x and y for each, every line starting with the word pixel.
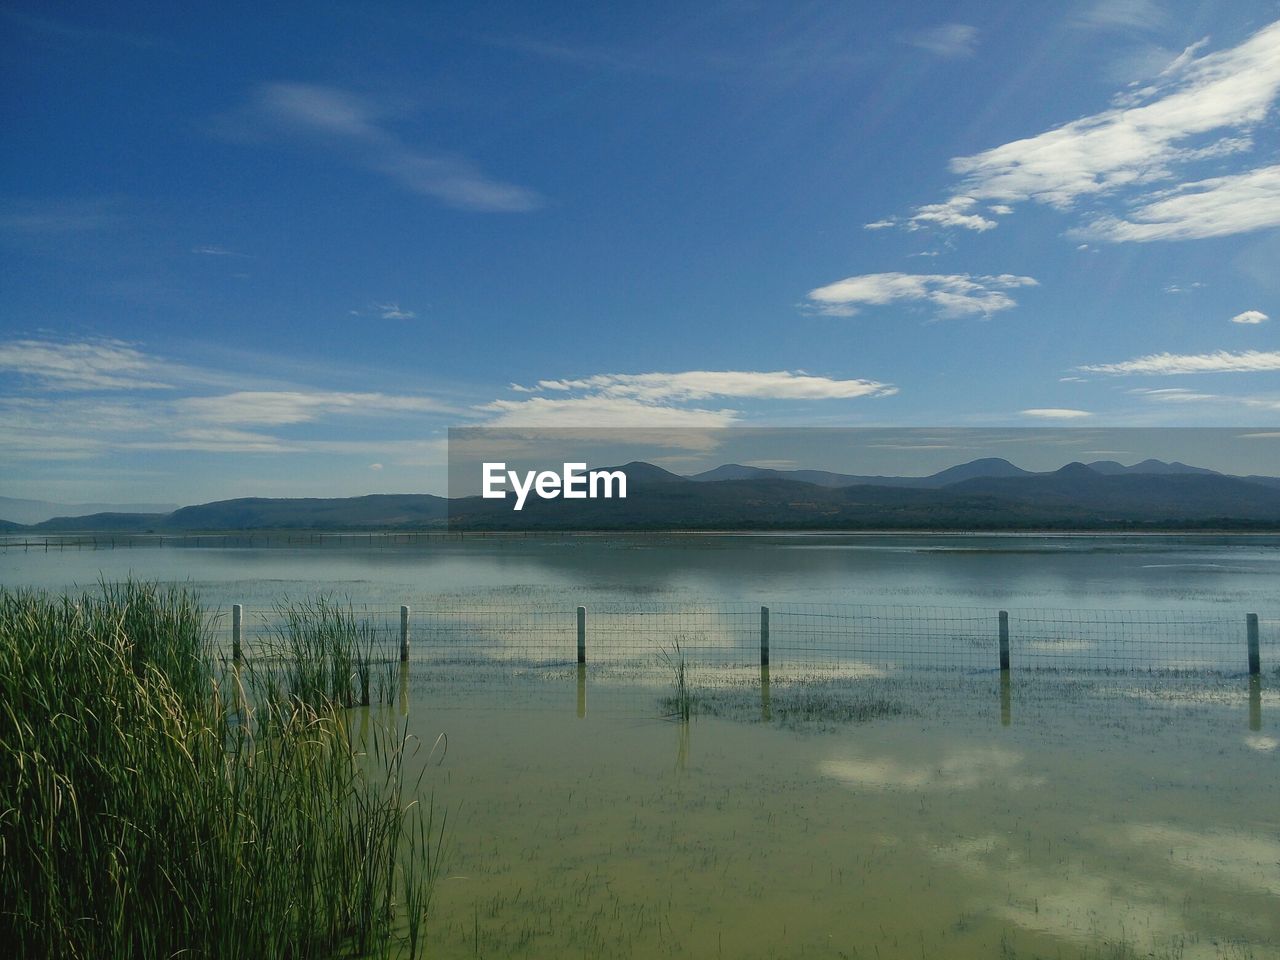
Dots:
pixel 1055 817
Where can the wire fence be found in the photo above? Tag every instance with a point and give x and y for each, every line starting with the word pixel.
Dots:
pixel 798 640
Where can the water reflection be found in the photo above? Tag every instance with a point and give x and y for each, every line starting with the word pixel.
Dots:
pixel 1255 703
pixel 1103 571
pixel 682 745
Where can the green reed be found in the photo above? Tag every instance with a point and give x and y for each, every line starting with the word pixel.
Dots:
pixel 679 706
pixel 152 806
pixel 326 652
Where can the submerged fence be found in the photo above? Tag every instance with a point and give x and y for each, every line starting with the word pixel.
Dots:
pixel 800 639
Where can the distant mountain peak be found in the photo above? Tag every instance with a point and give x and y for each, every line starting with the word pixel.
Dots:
pixel 982 467
pixel 642 470
pixel 1148 466
pixel 1076 469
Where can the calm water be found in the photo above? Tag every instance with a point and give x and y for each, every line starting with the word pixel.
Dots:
pixel 963 815
pixel 1099 819
pixel 1105 572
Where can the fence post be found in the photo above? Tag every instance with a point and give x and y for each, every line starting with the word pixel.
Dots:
pixel 1255 656
pixel 237 628
pixel 1004 639
pixel 582 634
pixel 764 636
pixel 404 633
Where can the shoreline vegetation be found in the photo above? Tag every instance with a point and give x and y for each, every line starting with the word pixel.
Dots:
pixel 155 803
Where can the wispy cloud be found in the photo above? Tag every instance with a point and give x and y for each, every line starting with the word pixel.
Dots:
pixel 96 365
pixel 703 384
pixel 1250 317
pixel 948 40
pixel 278 407
pixel 963 212
pixel 78 33
pixel 1173 395
pixel 951 295
pixel 355 128
pixel 1180 395
pixel 662 399
pixel 392 311
pixel 53 218
pixel 86 400
pixel 215 250
pixel 1200 109
pixel 601 411
pixel 1055 413
pixel 1122 14
pixel 1218 207
pixel 1221 361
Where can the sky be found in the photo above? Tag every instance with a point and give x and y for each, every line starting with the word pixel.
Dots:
pixel 279 249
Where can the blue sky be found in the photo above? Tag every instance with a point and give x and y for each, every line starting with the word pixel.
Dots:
pixel 279 250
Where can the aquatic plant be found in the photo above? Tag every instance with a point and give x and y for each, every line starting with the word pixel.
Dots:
pixel 152 806
pixel 679 706
pixel 324 651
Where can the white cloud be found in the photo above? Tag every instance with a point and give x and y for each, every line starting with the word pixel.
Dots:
pixel 601 411
pixel 392 311
pixel 953 295
pixel 1226 91
pixel 703 384
pixel 1219 207
pixel 354 127
pixel 956 212
pixel 1250 317
pixel 660 399
pixel 948 40
pixel 375 466
pixel 1221 361
pixel 278 407
pixel 92 365
pixel 1200 108
pixel 1174 395
pixel 1056 413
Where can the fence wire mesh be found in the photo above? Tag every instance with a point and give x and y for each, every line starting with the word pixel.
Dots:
pixel 849 640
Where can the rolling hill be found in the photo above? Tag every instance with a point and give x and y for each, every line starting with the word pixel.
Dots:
pixel 987 494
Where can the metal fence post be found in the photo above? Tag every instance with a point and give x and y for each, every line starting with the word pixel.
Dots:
pixel 1004 639
pixel 764 636
pixel 404 633
pixel 1255 655
pixel 237 628
pixel 582 634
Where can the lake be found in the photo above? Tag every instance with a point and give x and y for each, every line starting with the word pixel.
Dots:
pixel 882 790
pixel 1067 571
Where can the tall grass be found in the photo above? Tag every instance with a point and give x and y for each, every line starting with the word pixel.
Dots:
pixel 325 650
pixel 678 706
pixel 152 807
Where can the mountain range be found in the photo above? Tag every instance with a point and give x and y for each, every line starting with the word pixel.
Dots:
pixel 985 494
pixel 19 511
